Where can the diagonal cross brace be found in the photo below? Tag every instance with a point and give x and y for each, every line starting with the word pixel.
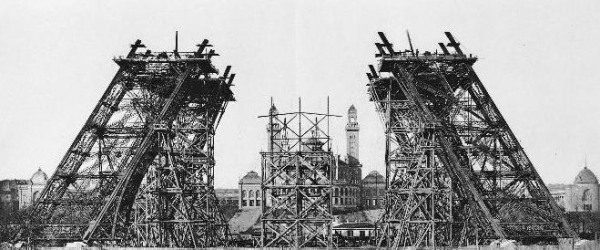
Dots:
pixel 115 196
pixel 406 83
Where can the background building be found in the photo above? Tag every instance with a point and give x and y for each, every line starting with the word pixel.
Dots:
pixel 350 191
pixel 250 192
pixel 348 172
pixel 20 194
pixel 373 190
pixel 582 195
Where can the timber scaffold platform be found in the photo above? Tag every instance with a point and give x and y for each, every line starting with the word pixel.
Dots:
pixel 456 175
pixel 140 171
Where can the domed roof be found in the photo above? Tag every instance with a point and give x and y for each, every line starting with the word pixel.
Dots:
pixel 251 178
pixel 273 110
pixel 39 177
pixel 352 109
pixel 586 176
pixel 374 176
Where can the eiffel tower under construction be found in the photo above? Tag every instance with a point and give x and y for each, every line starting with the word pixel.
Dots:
pixel 456 174
pixel 140 171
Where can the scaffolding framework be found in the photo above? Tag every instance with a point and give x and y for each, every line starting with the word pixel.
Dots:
pixel 297 181
pixel 455 173
pixel 140 171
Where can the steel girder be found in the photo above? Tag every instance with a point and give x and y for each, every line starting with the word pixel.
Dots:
pixel 503 195
pixel 159 106
pixel 297 182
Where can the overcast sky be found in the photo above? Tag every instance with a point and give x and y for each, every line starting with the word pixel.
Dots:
pixel 538 60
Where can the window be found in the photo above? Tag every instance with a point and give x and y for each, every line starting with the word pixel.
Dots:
pixel 587 200
pixel 587 195
pixel 243 193
pixel 251 194
pixel 257 194
pixel 244 203
pixel 336 192
pixel 251 202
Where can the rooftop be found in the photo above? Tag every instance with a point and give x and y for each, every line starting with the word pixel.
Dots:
pixel 586 176
pixel 251 177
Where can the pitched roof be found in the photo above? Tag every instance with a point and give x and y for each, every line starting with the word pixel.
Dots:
pixel 374 176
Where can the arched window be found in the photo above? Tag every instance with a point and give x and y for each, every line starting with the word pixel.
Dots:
pixel 251 194
pixel 587 200
pixel 257 194
pixel 587 196
pixel 243 193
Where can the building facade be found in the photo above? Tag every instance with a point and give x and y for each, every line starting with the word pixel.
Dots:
pixel 19 194
pixel 582 195
pixel 250 192
pixel 348 172
pixel 373 190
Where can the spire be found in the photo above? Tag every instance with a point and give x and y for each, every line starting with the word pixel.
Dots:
pixel 273 110
pixel 352 108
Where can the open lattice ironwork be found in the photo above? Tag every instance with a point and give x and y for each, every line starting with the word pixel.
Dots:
pixel 140 171
pixel 297 181
pixel 456 173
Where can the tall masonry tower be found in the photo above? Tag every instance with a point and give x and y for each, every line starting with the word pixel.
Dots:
pixel 273 129
pixel 352 136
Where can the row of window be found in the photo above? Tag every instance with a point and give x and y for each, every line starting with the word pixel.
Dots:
pixel 352 201
pixel 351 233
pixel 374 202
pixel 344 201
pixel 345 191
pixel 373 192
pixel 251 193
pixel 336 192
pixel 250 203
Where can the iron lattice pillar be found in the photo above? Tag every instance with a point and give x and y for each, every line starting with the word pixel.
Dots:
pixel 419 197
pixel 297 181
pixel 442 124
pixel 140 172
